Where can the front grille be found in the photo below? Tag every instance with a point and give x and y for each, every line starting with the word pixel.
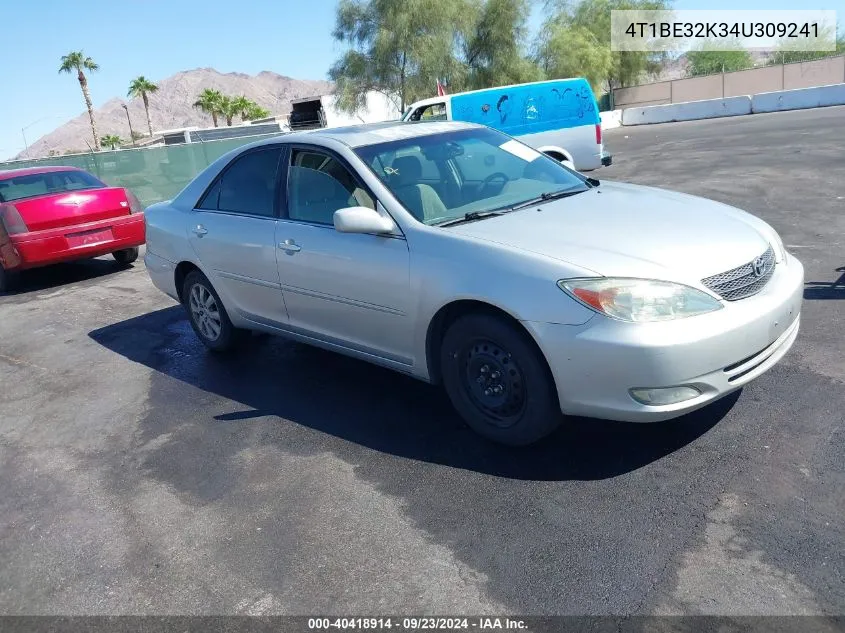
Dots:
pixel 743 281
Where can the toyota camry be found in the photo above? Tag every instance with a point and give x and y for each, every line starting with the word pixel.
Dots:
pixel 459 256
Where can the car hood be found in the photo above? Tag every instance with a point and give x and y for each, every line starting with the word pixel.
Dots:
pixel 632 231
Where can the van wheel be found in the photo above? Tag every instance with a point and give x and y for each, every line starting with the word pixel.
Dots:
pixel 207 315
pixel 498 380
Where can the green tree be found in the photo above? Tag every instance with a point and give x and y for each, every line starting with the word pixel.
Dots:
pixel 253 112
pixel 229 108
pixel 241 105
pixel 399 49
pixel 563 34
pixel 77 61
pixel 574 51
pixel 209 101
pixel 703 60
pixel 142 87
pixel 112 141
pixel 494 42
pixel 786 53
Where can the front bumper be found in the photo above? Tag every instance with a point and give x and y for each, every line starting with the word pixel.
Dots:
pixel 68 243
pixel 597 363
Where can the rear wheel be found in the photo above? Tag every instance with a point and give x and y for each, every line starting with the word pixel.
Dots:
pixel 498 380
pixel 207 315
pixel 126 256
pixel 8 279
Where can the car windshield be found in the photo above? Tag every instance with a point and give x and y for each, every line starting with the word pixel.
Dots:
pixel 47 183
pixel 443 177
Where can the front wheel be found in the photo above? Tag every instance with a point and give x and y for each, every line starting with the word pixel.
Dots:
pixel 498 380
pixel 126 256
pixel 207 315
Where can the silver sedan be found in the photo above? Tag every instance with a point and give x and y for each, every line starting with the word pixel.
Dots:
pixel 457 255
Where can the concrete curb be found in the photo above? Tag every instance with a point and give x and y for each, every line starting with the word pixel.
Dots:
pixel 689 111
pixel 799 99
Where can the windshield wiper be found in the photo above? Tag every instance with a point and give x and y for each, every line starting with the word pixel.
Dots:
pixel 472 216
pixel 545 197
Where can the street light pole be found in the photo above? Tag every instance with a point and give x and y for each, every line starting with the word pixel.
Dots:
pixel 131 133
pixel 26 127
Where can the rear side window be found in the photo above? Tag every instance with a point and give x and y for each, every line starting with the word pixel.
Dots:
pixel 247 186
pixel 32 185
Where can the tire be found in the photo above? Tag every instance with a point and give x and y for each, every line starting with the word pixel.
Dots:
pixel 202 303
pixel 482 354
pixel 8 280
pixel 126 256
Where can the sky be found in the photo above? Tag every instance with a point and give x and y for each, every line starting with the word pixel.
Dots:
pixel 157 38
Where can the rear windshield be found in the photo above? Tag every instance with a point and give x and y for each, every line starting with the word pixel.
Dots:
pixel 32 185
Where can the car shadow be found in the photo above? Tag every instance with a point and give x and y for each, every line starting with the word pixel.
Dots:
pixel 55 275
pixel 381 409
pixel 821 290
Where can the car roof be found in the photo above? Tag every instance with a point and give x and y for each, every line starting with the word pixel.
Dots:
pixel 373 133
pixel 30 171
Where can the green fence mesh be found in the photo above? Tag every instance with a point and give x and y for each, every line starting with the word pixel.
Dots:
pixel 153 174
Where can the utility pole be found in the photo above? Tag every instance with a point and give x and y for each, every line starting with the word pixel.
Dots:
pixel 131 133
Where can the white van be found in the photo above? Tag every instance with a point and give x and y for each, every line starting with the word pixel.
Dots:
pixel 559 117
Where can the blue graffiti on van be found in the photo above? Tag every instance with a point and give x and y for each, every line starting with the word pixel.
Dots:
pixel 529 108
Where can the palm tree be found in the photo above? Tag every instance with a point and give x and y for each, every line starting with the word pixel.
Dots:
pixel 240 105
pixel 255 111
pixel 112 140
pixel 209 102
pixel 228 108
pixel 142 87
pixel 77 61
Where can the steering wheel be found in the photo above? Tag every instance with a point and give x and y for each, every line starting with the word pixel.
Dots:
pixel 487 182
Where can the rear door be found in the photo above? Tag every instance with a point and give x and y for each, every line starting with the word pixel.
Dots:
pixel 232 232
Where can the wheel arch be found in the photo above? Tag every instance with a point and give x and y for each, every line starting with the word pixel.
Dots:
pixel 452 311
pixel 182 270
pixel 558 153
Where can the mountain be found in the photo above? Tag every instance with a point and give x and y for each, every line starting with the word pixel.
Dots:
pixel 172 106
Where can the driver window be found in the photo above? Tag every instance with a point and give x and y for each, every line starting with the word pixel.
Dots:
pixel 433 112
pixel 319 185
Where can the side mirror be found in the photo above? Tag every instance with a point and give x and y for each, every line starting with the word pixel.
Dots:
pixel 362 220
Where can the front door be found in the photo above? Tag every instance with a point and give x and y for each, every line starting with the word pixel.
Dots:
pixel 232 231
pixel 343 288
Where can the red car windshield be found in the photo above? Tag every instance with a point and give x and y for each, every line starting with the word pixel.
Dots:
pixel 47 183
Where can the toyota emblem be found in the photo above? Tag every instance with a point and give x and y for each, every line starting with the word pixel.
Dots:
pixel 759 266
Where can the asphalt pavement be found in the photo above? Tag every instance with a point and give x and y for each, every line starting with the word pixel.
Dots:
pixel 139 474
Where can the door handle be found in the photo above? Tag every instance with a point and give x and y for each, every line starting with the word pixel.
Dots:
pixel 199 230
pixel 290 246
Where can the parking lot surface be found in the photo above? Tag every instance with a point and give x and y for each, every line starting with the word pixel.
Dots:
pixel 142 475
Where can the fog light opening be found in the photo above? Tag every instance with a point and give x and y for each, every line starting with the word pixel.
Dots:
pixel 664 395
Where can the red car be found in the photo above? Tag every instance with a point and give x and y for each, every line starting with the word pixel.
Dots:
pixel 58 214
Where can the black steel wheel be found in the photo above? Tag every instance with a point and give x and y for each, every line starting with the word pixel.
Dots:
pixel 498 380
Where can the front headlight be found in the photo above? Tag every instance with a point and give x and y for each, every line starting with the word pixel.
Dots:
pixel 639 300
pixel 780 249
